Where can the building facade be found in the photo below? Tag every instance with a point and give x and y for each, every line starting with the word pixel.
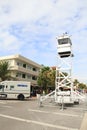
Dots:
pixel 22 69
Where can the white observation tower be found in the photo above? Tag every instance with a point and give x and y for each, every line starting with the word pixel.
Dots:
pixel 64 92
pixel 64 84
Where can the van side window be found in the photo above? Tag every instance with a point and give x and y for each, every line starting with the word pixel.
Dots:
pixel 11 87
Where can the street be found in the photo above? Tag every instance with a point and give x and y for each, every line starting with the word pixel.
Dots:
pixel 27 115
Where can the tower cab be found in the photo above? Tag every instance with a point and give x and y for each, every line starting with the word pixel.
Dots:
pixel 64 46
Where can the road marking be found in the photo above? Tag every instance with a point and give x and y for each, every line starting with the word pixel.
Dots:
pixel 12 101
pixel 9 101
pixel 57 113
pixel 37 122
pixel 7 106
pixel 2 102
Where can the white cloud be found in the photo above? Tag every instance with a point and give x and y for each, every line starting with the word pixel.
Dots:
pixel 9 44
pixel 30 27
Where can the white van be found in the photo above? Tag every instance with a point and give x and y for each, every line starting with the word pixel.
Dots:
pixel 15 90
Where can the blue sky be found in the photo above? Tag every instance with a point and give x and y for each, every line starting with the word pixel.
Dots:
pixel 30 28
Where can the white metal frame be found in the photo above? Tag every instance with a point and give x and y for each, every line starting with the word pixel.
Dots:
pixel 62 80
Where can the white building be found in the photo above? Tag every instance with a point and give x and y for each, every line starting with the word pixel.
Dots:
pixel 22 68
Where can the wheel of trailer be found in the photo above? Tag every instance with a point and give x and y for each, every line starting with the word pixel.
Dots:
pixel 20 97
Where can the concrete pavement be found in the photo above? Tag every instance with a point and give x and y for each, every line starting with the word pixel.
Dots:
pixel 84 122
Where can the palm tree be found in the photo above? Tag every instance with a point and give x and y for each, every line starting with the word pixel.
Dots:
pixel 76 83
pixel 46 78
pixel 4 70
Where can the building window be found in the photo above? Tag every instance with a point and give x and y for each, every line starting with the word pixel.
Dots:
pixel 23 76
pixel 18 75
pixel 29 67
pixel 24 65
pixel 34 69
pixel 34 77
pixel 29 76
pixel 19 63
